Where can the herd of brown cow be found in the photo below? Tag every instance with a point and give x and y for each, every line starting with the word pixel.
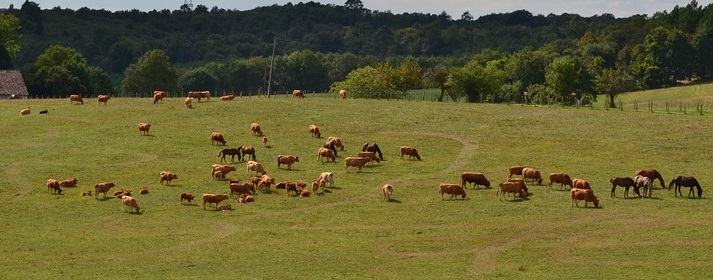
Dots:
pixel 580 189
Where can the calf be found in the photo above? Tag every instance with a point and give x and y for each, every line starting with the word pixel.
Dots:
pixel 583 194
pixel 144 128
pixel 388 190
pixel 264 141
pixel 144 190
pixel 510 187
pixel 326 153
pixel 357 162
pixel 246 198
pixel 87 193
pixel 478 179
pixel 532 175
pixel 216 138
pixel 314 130
pixel 410 151
pixel 227 97
pixel 129 202
pixel 226 207
pixel 102 188
pixel 53 186
pixel 327 177
pixel 187 197
pixel 452 189
pixel 562 179
pixel 213 198
pixel 188 102
pixel 318 186
pixel 304 193
pixel 287 159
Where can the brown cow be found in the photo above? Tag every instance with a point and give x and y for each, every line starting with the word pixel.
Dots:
pixel 515 170
pixel 25 111
pixel 337 142
pixel 304 193
pixel 53 186
pixel 318 186
pixel 532 175
pixel 188 102
pixel 199 94
pixel 217 137
pixel 255 129
pixel 452 189
pixel 144 128
pixel 327 153
pixel 314 131
pixel 167 177
pixel 102 188
pixel 158 95
pixel 246 198
pixel 103 98
pixel 290 187
pixel 410 151
pixel 265 183
pixel 583 194
pixel 327 177
pixel 264 141
pixel 209 198
pixel 342 94
pixel 580 184
pixel 388 190
pixel 76 98
pixel 357 162
pixel 510 187
pixel 478 179
pixel 227 97
pixel 144 190
pixel 298 93
pixel 287 159
pixel 69 183
pixel 130 202
pixel 87 193
pixel 370 155
pixel 241 188
pixel 561 178
pixel 219 171
pixel 626 183
pixel 187 197
pixel 519 182
pixel 255 167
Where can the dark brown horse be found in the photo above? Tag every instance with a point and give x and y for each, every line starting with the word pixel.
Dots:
pixel 248 150
pixel 372 147
pixel 230 152
pixel 626 183
pixel 689 182
pixel 652 174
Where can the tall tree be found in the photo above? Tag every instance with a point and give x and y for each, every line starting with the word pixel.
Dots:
pixel 152 72
pixel 9 37
pixel 612 82
pixel 62 70
pixel 562 76
pixel 437 77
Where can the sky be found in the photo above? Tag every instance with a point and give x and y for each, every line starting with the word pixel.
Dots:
pixel 454 8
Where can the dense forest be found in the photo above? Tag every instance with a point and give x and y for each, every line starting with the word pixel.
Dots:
pixel 319 46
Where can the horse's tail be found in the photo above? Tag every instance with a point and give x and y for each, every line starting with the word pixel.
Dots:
pixel 220 153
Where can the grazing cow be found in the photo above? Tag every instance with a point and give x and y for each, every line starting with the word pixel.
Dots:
pixel 520 182
pixel 331 146
pixel 357 162
pixel 580 184
pixel 410 151
pixel 264 141
pixel 144 128
pixel 561 178
pixel 144 190
pixel 69 183
pixel 226 207
pixel 653 175
pixel 158 95
pixel 298 93
pixel 76 98
pixel 232 152
pixel 314 131
pixel 188 102
pixel 241 188
pixel 688 182
pixel 583 194
pixel 209 198
pixel 478 179
pixel 625 182
pixel 372 147
pixel 103 98
pixel 167 177
pixel 532 175
pixel 265 183
pixel 217 137
pixel 287 159
pixel 644 182
pixel 370 155
pixel 218 175
pixel 87 193
pixel 199 94
pixel 227 97
pixel 102 188
pixel 388 190
pixel 337 142
pixel 25 111
pixel 129 202
pixel 318 185
pixel 255 167
pixel 327 177
pixel 515 170
pixel 290 187
pixel 326 153
pixel 187 197
pixel 53 186
pixel 510 187
pixel 452 189
pixel 248 150
pixel 342 94
pixel 255 129
pixel 224 170
pixel 304 193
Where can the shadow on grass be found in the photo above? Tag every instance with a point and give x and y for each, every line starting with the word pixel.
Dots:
pixel 136 213
pixel 394 201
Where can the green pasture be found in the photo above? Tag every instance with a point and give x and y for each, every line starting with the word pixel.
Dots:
pixel 349 232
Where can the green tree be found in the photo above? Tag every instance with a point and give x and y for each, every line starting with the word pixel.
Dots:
pixel 152 72
pixel 562 76
pixel 437 77
pixel 9 37
pixel 474 81
pixel 61 70
pixel 408 75
pixel 198 79
pixel 612 82
pixel 371 82
pixel 354 4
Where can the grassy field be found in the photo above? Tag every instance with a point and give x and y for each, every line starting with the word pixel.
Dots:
pixel 349 232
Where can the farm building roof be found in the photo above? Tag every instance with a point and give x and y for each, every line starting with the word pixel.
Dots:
pixel 12 85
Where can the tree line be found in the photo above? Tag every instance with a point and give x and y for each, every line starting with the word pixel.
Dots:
pixel 505 57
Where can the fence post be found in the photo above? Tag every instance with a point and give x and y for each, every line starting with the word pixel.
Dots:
pixel 667 111
pixel 621 105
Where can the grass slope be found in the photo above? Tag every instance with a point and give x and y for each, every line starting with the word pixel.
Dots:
pixel 349 232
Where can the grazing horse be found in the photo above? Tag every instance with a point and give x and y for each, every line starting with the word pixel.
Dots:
pixel 689 182
pixel 247 150
pixel 652 174
pixel 626 183
pixel 644 182
pixel 230 152
pixel 329 144
pixel 372 147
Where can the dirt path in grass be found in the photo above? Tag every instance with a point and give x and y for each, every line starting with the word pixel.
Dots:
pixel 14 176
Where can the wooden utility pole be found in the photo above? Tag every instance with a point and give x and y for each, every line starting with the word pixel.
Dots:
pixel 272 61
